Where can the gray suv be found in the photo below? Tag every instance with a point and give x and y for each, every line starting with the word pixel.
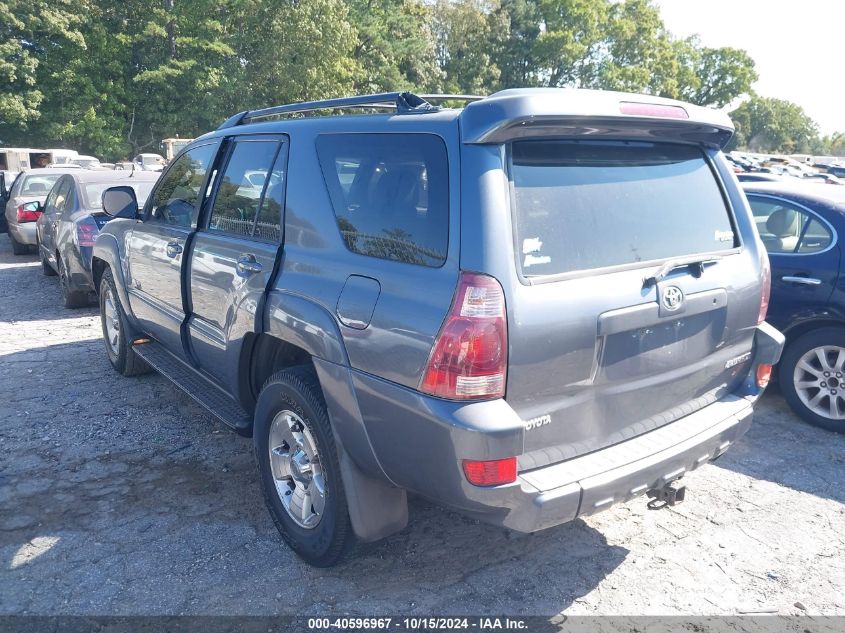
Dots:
pixel 527 309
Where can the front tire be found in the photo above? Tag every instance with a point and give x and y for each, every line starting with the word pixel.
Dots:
pixel 115 331
pixel 46 268
pixel 70 298
pixel 811 375
pixel 299 469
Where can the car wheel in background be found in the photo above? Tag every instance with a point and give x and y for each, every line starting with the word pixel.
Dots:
pixel 46 268
pixel 299 468
pixel 17 247
pixel 115 332
pixel 812 377
pixel 70 297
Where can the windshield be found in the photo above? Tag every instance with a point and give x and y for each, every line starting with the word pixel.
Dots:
pixel 93 192
pixel 38 185
pixel 86 163
pixel 584 205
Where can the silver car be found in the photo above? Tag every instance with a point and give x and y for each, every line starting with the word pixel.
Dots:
pixel 23 208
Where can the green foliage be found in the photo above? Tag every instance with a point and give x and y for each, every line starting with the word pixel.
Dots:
pixel 114 77
pixel 764 124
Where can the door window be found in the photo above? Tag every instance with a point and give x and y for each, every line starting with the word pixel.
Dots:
pixel 250 177
pixel 57 198
pixel 786 228
pixel 175 199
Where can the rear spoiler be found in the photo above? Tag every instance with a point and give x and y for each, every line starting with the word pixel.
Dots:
pixel 569 113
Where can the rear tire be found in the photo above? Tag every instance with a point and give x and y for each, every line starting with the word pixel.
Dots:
pixel 314 521
pixel 115 331
pixel 811 374
pixel 17 247
pixel 71 298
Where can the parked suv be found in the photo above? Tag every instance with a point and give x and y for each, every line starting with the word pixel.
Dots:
pixel 527 309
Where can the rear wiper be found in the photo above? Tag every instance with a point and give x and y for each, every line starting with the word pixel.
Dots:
pixel 695 265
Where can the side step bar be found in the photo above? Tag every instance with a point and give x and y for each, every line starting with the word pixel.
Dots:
pixel 197 386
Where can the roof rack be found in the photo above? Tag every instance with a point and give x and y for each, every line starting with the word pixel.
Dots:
pixel 403 102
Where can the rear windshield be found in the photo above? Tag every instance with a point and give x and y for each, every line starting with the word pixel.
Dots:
pixel 93 192
pixel 587 205
pixel 38 185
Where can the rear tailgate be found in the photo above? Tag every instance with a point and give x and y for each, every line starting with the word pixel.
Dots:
pixel 602 347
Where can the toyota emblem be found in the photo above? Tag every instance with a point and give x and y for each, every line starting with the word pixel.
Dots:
pixel 673 297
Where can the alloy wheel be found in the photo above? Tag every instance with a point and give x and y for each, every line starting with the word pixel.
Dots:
pixel 297 472
pixel 819 380
pixel 111 320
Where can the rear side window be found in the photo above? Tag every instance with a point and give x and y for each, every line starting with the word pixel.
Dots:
pixel 587 205
pixel 785 228
pixel 390 194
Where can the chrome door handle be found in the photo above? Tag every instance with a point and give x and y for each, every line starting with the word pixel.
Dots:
pixel 247 265
pixel 807 281
pixel 173 249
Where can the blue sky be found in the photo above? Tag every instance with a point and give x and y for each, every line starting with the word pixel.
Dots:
pixel 798 46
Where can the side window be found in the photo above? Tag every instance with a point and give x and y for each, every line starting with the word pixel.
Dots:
pixel 785 228
pixel 247 176
pixel 390 194
pixel 59 195
pixel 69 203
pixel 50 202
pixel 175 199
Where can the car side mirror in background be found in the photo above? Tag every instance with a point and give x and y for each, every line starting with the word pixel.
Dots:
pixel 33 207
pixel 120 202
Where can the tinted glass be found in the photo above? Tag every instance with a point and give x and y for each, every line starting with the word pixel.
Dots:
pixel 786 228
pixel 587 205
pixel 93 192
pixel 268 222
pixel 175 198
pixel 38 185
pixel 239 194
pixel 390 194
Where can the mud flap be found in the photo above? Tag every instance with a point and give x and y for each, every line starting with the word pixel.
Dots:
pixel 376 508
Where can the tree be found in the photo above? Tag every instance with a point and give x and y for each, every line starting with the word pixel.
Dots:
pixel 36 39
pixel 713 76
pixel 774 125
pixel 468 31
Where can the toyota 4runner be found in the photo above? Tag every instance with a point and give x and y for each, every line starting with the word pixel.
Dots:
pixel 527 309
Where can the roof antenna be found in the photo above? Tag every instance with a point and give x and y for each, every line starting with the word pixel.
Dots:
pixel 132 173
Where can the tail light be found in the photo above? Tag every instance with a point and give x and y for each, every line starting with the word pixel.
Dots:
pixel 25 215
pixel 470 356
pixel 766 278
pixel 494 472
pixel 86 233
pixel 764 375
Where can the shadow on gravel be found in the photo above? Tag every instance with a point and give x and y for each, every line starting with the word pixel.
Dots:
pixel 119 495
pixel 783 449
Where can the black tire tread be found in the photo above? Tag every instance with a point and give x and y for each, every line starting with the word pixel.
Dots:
pixel 793 352
pixel 128 363
pixel 303 380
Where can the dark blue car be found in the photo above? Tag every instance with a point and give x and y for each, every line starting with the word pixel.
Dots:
pixel 800 225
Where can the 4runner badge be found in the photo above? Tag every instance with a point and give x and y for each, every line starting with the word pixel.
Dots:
pixel 673 298
pixel 536 423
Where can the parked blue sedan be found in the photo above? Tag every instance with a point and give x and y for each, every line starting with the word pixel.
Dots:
pixel 800 225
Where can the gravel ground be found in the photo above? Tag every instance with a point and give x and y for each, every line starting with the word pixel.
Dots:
pixel 120 496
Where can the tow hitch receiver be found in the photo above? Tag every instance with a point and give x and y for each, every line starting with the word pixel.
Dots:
pixel 668 495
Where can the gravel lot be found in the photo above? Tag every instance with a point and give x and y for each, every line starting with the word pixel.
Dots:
pixel 121 496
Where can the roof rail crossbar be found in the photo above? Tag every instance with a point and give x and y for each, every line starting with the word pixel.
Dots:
pixel 401 101
pixel 444 97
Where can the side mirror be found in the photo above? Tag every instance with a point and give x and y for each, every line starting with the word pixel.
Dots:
pixel 33 207
pixel 120 202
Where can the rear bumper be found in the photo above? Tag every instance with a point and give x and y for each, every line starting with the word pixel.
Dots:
pixel 591 483
pixel 23 232
pixel 419 443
